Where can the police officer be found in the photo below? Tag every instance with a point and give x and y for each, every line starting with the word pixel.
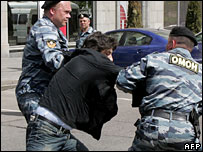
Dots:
pixel 43 55
pixel 85 29
pixel 171 87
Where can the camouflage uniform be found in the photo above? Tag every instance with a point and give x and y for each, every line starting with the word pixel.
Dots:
pixel 82 37
pixel 41 59
pixel 173 82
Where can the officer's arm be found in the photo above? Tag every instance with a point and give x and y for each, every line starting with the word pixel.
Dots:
pixel 128 78
pixel 49 46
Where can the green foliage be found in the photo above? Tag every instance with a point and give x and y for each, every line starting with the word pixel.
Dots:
pixel 193 17
pixel 134 15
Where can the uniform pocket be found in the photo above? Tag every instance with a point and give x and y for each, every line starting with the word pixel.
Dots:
pixel 148 128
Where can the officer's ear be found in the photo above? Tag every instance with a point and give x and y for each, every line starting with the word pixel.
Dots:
pixel 52 10
pixel 169 45
pixel 173 44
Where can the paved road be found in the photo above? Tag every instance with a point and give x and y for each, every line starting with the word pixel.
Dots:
pixel 117 134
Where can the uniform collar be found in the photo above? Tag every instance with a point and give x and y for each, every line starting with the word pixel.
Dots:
pixel 183 52
pixel 90 30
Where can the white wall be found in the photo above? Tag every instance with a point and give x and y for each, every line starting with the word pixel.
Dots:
pixel 153 14
pixel 4 30
pixel 105 16
pixel 40 10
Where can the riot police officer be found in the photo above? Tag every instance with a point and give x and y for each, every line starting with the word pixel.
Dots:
pixel 170 91
pixel 85 29
pixel 43 55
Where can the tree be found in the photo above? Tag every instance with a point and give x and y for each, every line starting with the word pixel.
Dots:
pixel 193 17
pixel 134 14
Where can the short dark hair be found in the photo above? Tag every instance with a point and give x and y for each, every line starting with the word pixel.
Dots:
pixel 99 42
pixel 183 40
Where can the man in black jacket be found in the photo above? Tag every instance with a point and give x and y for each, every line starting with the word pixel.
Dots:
pixel 81 95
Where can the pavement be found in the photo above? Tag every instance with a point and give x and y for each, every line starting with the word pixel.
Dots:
pixel 117 134
pixel 11 69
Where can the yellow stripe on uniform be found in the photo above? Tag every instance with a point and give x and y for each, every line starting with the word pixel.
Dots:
pixel 183 62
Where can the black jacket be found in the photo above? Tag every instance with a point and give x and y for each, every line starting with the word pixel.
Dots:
pixel 82 92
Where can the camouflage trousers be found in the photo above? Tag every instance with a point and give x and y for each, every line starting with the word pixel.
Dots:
pixel 27 104
pixel 155 133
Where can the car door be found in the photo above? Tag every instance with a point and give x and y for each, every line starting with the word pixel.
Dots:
pixel 133 46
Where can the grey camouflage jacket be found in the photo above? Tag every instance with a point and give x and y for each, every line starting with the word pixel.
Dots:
pixel 172 80
pixel 42 57
pixel 83 36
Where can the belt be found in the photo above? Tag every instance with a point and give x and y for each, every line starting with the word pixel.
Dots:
pixel 171 115
pixel 63 130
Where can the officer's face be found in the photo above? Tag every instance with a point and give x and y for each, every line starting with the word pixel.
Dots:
pixel 61 13
pixel 84 23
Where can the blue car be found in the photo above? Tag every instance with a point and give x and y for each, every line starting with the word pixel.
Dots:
pixel 136 43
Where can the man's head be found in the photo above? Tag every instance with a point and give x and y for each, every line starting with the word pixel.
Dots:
pixel 58 12
pixel 101 43
pixel 181 37
pixel 84 22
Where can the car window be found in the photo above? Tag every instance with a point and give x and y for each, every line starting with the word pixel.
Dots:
pixel 136 39
pixel 199 37
pixel 163 33
pixel 116 35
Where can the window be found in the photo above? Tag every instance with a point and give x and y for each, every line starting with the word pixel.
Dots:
pixel 136 39
pixel 22 19
pixel 34 19
pixel 199 37
pixel 15 18
pixel 19 13
pixel 73 23
pixel 171 13
pixel 23 14
pixel 116 35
